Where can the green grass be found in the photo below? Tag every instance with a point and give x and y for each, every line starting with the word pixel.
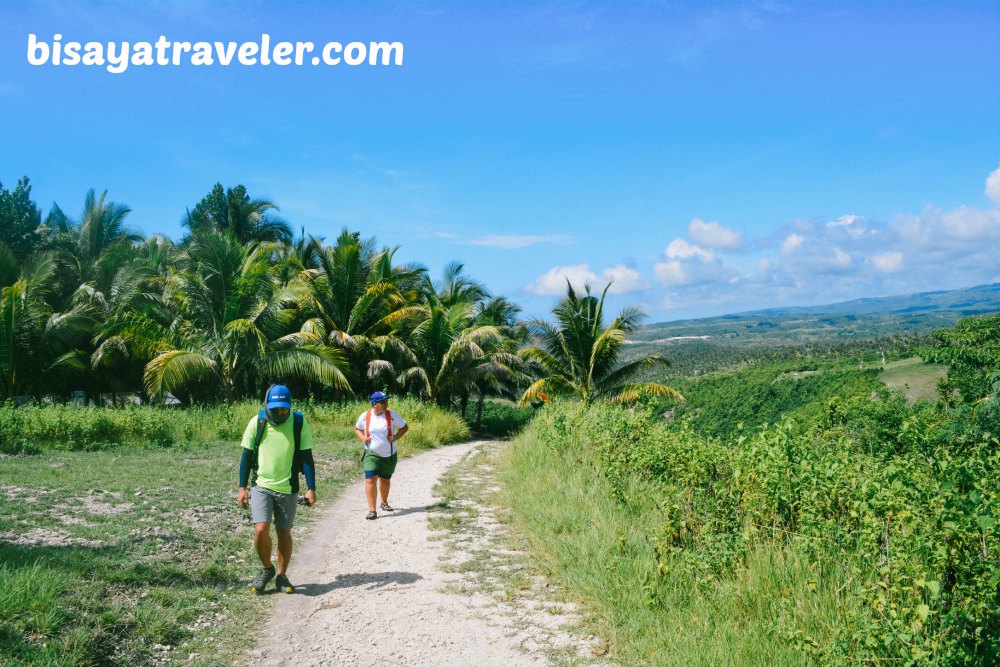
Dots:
pixel 105 555
pixel 770 611
pixel 914 378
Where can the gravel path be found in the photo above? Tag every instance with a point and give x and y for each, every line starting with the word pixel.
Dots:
pixel 370 592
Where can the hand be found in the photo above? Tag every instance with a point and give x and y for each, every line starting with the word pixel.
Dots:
pixel 311 497
pixel 243 498
pixel 368 441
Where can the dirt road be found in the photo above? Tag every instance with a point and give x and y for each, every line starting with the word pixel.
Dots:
pixel 371 593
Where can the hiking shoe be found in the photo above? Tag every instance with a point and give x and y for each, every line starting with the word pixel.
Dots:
pixel 266 574
pixel 283 584
pixel 372 515
pixel 387 508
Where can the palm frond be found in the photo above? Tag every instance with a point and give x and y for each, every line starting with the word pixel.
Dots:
pixel 314 363
pixel 175 369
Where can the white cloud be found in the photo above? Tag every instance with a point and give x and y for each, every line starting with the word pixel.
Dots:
pixel 554 281
pixel 689 268
pixel 681 249
pixel 792 243
pixel 670 273
pixel 993 187
pixel 714 235
pixel 888 262
pixel 970 224
pixel 808 261
pixel 623 279
pixel 841 259
pixel 852 225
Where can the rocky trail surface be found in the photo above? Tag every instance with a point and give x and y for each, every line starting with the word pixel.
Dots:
pixel 377 593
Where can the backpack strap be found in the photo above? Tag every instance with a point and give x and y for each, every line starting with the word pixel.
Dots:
pixel 297 421
pixel 388 428
pixel 261 425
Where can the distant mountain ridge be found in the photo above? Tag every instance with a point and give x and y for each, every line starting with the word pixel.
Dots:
pixel 969 301
pixel 848 320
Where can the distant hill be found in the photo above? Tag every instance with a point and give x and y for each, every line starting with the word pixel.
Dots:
pixel 719 341
pixel 857 319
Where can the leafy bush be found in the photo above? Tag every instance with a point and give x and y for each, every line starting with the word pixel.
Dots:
pixel 880 497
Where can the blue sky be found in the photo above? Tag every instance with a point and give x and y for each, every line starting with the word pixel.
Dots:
pixel 708 157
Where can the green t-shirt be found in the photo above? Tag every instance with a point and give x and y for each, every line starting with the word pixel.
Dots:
pixel 277 447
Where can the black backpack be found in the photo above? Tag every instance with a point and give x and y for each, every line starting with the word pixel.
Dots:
pixel 298 420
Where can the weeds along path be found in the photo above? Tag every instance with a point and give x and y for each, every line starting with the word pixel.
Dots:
pixel 375 592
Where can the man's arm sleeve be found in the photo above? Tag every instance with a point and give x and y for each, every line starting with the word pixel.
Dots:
pixel 309 469
pixel 245 462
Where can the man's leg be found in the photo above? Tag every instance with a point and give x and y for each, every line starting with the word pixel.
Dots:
pixel 383 488
pixel 284 549
pixel 262 541
pixel 370 492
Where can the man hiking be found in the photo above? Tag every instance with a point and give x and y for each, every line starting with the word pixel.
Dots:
pixel 275 449
pixel 379 429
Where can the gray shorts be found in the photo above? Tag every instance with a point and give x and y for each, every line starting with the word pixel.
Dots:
pixel 265 503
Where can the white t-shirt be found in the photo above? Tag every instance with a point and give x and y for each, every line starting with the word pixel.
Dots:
pixel 379 433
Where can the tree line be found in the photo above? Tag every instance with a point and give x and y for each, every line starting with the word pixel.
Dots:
pixel 239 302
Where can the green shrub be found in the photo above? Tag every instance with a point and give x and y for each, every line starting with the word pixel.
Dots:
pixel 880 501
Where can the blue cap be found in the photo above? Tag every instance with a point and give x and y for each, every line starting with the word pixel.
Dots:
pixel 278 396
pixel 378 397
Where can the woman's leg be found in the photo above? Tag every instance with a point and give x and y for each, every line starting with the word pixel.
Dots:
pixel 370 492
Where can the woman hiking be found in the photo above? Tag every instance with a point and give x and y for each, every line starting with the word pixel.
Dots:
pixel 379 428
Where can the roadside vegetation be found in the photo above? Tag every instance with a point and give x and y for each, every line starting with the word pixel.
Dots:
pixel 858 527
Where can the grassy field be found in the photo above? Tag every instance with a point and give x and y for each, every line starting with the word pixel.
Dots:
pixel 914 378
pixel 140 555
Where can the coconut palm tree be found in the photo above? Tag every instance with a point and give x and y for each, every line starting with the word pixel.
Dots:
pixel 39 348
pixel 134 296
pixel 481 362
pixel 356 296
pixel 92 250
pixel 579 354
pixel 232 210
pixel 459 342
pixel 233 327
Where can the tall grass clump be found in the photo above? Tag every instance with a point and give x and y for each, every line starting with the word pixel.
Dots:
pixel 870 537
